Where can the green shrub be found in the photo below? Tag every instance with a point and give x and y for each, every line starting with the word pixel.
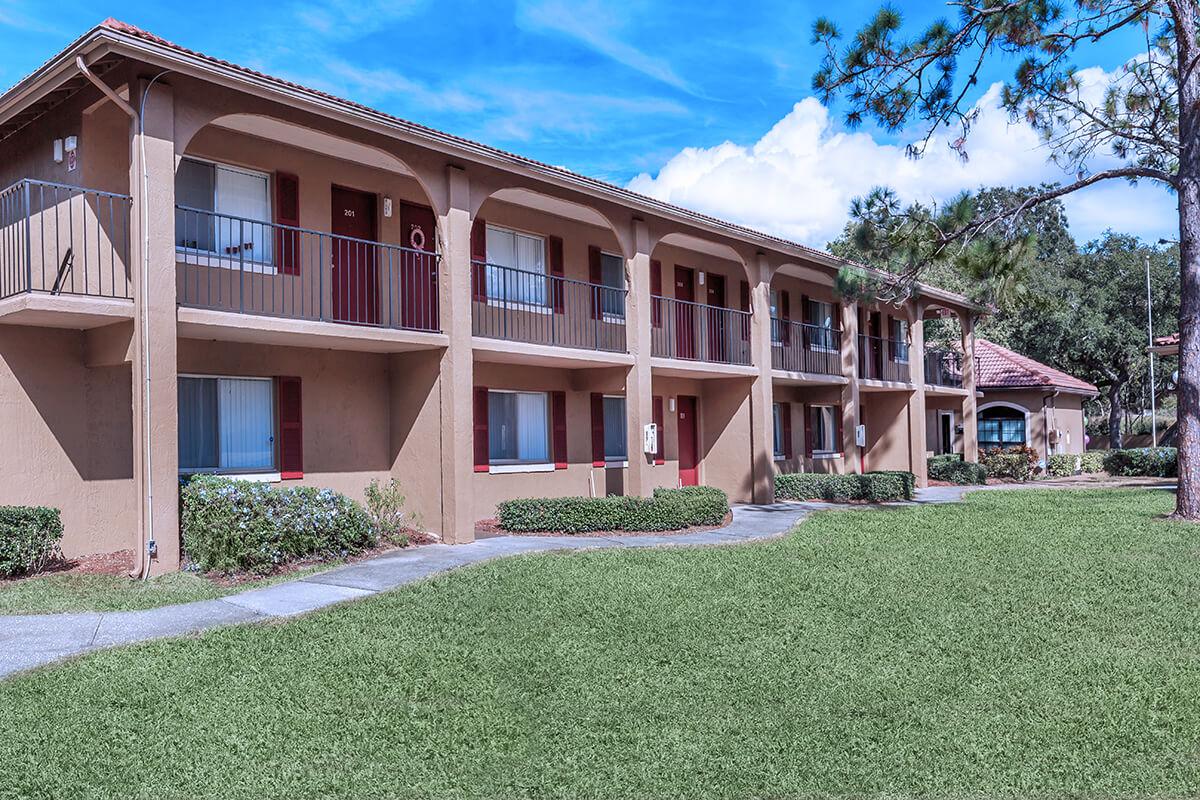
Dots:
pixel 385 507
pixel 1061 465
pixel 871 486
pixel 952 469
pixel 667 510
pixel 29 538
pixel 1092 461
pixel 1014 463
pixel 234 526
pixel 1154 462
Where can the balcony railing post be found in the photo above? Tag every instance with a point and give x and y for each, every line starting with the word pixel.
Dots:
pixel 28 239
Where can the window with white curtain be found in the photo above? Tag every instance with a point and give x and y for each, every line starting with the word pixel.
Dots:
pixel 824 430
pixel 516 267
pixel 226 424
pixel 777 410
pixel 612 275
pixel 820 316
pixel 232 211
pixel 900 340
pixel 776 323
pixel 615 439
pixel 518 427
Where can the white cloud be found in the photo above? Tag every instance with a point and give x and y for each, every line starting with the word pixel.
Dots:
pixel 798 180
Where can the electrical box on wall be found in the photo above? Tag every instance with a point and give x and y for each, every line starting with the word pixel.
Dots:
pixel 650 439
pixel 860 435
pixel 58 151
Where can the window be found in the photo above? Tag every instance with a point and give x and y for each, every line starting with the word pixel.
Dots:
pixel 776 323
pixel 1001 427
pixel 518 427
pixel 516 267
pixel 612 275
pixel 899 343
pixel 777 410
pixel 823 425
pixel 228 211
pixel 226 424
pixel 820 316
pixel 615 439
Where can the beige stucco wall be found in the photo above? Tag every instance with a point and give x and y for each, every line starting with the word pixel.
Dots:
pixel 935 406
pixel 885 415
pixel 67 437
pixel 798 397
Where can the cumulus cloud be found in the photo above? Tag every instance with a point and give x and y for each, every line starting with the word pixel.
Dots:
pixel 798 180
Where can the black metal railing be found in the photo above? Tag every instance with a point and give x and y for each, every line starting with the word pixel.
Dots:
pixel 803 347
pixel 943 368
pixel 62 239
pixel 228 263
pixel 523 306
pixel 698 332
pixel 882 359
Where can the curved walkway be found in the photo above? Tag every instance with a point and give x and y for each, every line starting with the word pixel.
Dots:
pixel 33 640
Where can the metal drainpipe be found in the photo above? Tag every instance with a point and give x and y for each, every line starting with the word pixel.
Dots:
pixel 142 556
pixel 1046 422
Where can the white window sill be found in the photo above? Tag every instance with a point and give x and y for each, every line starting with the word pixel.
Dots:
pixel 515 305
pixel 615 463
pixel 253 477
pixel 778 457
pixel 205 258
pixel 510 469
pixel 817 349
pixel 614 319
pixel 824 456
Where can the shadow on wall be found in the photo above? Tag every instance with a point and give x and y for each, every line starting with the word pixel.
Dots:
pixel 722 401
pixel 887 431
pixel 87 411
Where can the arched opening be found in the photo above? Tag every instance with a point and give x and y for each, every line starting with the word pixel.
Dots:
pixel 280 220
pixel 1002 425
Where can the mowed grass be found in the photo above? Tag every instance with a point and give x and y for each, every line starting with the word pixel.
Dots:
pixel 1023 644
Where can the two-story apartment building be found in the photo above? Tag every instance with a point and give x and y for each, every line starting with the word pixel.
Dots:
pixel 204 268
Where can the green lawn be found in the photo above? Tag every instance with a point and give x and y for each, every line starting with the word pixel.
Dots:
pixel 53 593
pixel 1022 644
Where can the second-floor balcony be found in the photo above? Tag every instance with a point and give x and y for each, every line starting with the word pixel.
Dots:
pixel 62 240
pixel 236 264
pixel 539 308
pixel 881 359
pixel 697 332
pixel 803 347
pixel 943 368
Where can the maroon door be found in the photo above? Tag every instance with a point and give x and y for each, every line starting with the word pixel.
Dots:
pixel 685 314
pixel 355 259
pixel 418 268
pixel 716 322
pixel 689 472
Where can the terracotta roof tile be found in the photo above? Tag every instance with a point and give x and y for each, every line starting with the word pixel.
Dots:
pixel 1001 368
pixel 1167 341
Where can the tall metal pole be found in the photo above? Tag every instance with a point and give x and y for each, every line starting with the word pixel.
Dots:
pixel 1150 332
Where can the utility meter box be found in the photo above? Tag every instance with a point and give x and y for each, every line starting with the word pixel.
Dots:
pixel 650 438
pixel 860 435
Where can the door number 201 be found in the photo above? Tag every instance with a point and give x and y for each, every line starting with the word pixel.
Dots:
pixel 349 212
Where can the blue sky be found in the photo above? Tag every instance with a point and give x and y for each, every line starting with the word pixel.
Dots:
pixel 701 104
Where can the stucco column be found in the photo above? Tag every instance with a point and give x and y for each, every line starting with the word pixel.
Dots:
pixel 851 456
pixel 639 394
pixel 155 365
pixel 762 395
pixel 970 435
pixel 457 377
pixel 916 400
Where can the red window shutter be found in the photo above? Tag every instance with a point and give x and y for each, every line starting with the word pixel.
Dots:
pixel 287 212
pixel 893 337
pixel 478 260
pixel 656 293
pixel 595 277
pixel 839 445
pixel 785 313
pixel 808 430
pixel 481 429
pixel 291 428
pixel 745 303
pixel 597 430
pixel 785 415
pixel 558 414
pixel 555 245
pixel 659 420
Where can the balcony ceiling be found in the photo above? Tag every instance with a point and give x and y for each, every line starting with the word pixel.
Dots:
pixel 275 130
pixel 551 205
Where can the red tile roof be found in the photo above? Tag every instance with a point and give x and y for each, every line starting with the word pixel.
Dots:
pixel 1001 368
pixel 1167 341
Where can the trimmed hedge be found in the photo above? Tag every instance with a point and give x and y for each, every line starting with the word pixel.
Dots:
pixel 1154 462
pixel 241 526
pixel 953 469
pixel 874 487
pixel 1015 463
pixel 29 537
pixel 1061 465
pixel 667 510
pixel 1092 461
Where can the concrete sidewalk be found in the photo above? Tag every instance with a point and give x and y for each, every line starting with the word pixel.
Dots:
pixel 34 640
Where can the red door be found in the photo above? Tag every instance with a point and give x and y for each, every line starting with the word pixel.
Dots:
pixel 418 271
pixel 689 472
pixel 715 320
pixel 355 259
pixel 685 314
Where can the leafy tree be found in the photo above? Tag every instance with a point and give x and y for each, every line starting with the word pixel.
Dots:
pixel 1147 117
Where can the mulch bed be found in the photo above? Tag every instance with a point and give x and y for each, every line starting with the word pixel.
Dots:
pixel 490 529
pixel 118 563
